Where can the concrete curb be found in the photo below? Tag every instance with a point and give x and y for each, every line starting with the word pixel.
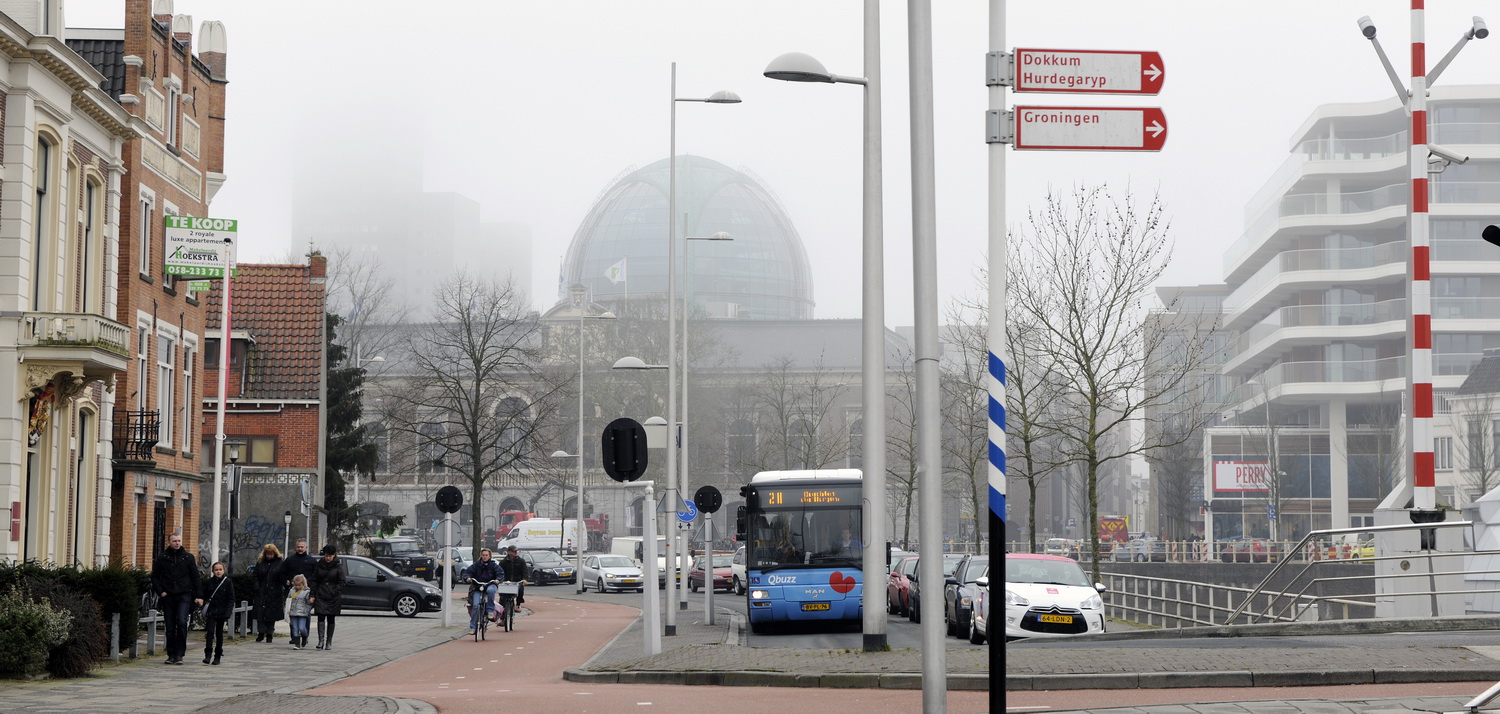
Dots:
pixel 743 678
pixel 1296 678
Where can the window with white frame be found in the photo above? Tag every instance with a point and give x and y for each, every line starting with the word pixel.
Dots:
pixel 189 353
pixel 1442 448
pixel 167 209
pixel 41 232
pixel 90 257
pixel 1475 444
pixel 166 384
pixel 142 371
pixel 143 228
pixel 174 102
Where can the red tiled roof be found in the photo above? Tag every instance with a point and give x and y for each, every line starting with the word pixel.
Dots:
pixel 282 309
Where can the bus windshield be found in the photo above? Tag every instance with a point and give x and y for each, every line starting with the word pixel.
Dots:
pixel 806 536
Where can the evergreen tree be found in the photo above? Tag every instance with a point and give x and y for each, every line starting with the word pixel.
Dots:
pixel 349 449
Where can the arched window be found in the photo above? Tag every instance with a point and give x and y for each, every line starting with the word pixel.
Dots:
pixel 802 445
pixel 513 419
pixel 431 449
pixel 380 437
pixel 857 444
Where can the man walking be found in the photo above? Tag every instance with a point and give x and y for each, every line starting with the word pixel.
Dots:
pixel 300 562
pixel 174 577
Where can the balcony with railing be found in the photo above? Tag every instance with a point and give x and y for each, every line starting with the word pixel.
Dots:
pixel 100 344
pixel 136 435
pixel 1288 376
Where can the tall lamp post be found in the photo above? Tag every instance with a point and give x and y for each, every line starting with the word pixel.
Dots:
pixel 1419 414
pixel 687 368
pixel 286 539
pixel 798 67
pixel 583 531
pixel 233 448
pixel 720 97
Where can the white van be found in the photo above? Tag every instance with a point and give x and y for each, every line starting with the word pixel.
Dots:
pixel 634 547
pixel 559 534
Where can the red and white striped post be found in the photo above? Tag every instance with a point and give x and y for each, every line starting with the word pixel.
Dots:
pixel 1419 288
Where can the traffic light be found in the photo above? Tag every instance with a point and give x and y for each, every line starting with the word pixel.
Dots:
pixel 751 496
pixel 624 449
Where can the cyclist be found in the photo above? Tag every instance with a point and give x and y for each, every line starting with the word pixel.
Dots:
pixel 486 574
pixel 515 571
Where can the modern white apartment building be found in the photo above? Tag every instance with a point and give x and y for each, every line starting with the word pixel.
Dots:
pixel 1316 313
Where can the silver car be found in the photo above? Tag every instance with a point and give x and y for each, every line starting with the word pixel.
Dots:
pixel 462 559
pixel 606 572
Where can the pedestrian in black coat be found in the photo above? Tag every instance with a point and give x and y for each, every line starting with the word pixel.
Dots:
pixel 327 598
pixel 270 592
pixel 300 562
pixel 174 579
pixel 218 607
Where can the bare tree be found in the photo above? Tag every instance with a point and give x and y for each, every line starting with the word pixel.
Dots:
pixel 362 294
pixel 478 397
pixel 1092 260
pixel 964 380
pixel 901 444
pixel 1176 474
pixel 796 427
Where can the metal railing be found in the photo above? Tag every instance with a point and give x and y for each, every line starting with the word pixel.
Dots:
pixel 240 626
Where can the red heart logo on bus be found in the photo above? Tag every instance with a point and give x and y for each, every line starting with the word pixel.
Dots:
pixel 841 583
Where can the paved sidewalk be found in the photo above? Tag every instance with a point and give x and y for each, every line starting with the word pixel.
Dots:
pixel 254 677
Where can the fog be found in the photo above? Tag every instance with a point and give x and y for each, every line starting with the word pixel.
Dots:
pixel 532 109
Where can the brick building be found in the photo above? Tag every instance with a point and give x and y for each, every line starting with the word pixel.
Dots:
pixel 61 350
pixel 275 391
pixel 174 166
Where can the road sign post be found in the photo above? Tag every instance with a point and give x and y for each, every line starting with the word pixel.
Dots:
pixel 1089 128
pixel 1088 71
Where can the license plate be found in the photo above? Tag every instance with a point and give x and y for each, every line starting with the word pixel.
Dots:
pixel 814 606
pixel 629 581
pixel 421 568
pixel 1058 619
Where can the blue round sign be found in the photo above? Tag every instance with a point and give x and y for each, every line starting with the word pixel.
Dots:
pixel 690 514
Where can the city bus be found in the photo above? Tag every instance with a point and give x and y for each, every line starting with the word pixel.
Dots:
pixel 803 540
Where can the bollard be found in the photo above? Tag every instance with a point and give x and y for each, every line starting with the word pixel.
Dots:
pixel 151 618
pixel 114 637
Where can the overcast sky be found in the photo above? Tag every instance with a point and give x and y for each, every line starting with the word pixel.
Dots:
pixel 533 108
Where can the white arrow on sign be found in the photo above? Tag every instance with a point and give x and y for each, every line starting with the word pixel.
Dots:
pixel 1090 128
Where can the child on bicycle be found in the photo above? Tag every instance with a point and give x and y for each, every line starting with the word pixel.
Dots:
pixel 484 572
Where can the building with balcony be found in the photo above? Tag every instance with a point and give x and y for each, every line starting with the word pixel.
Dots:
pixel 1316 313
pixel 61 349
pixel 173 101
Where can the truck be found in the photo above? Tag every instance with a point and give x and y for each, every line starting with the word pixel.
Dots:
pixel 597 526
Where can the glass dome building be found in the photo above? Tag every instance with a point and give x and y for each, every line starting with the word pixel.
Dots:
pixel 620 250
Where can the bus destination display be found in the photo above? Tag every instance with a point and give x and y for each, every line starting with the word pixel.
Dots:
pixel 810 495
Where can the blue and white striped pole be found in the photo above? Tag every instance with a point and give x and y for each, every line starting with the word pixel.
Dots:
pixel 997 289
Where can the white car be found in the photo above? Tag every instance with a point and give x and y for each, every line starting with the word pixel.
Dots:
pixel 737 571
pixel 462 558
pixel 980 617
pixel 1049 596
pixel 606 572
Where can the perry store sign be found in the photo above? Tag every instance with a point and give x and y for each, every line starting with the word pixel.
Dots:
pixel 1240 476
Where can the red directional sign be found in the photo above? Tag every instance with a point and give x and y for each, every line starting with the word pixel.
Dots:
pixel 1090 128
pixel 1088 71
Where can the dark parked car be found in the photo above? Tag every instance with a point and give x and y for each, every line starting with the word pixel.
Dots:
pixel 547 567
pixel 950 563
pixel 372 586
pixel 403 555
pixel 959 592
pixel 898 586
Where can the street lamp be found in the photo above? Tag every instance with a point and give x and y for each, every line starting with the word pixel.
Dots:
pixel 286 540
pixel 799 67
pixel 1419 412
pixel 720 97
pixel 687 369
pixel 582 530
pixel 233 447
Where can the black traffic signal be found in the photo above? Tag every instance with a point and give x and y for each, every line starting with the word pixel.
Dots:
pixel 449 499
pixel 708 499
pixel 623 449
pixel 751 496
pixel 1491 234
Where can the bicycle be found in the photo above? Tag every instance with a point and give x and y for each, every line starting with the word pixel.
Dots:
pixel 478 591
pixel 507 592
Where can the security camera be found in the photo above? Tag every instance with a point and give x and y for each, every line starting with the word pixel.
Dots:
pixel 1447 154
pixel 1367 27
